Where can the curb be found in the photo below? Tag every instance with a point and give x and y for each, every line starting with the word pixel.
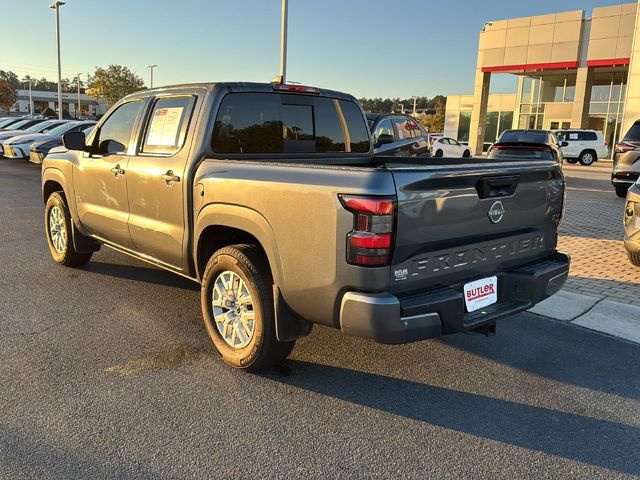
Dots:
pixel 599 314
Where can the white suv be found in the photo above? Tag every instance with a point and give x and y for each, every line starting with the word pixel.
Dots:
pixel 584 146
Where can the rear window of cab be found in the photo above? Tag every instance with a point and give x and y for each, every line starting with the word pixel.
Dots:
pixel 273 123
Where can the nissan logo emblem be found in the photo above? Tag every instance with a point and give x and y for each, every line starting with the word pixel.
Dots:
pixel 496 212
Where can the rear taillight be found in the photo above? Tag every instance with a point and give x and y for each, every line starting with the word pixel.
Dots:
pixel 370 242
pixel 624 147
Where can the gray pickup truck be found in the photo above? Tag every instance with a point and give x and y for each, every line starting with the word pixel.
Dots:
pixel 269 196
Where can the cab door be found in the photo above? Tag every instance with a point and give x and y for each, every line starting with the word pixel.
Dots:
pixel 100 177
pixel 157 181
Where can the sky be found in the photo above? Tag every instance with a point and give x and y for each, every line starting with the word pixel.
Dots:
pixel 369 48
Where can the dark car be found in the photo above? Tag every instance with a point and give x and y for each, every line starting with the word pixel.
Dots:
pixel 533 144
pixel 398 135
pixel 632 223
pixel 40 148
pixel 626 161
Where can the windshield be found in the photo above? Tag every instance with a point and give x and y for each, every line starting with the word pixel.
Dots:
pixel 39 127
pixel 6 121
pixel 60 129
pixel 17 125
pixel 523 136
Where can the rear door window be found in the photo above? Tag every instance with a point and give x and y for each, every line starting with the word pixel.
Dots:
pixel 588 136
pixel 267 123
pixel 167 125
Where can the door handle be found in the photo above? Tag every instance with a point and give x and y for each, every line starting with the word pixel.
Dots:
pixel 117 171
pixel 170 177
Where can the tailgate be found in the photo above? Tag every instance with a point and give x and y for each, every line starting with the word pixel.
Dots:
pixel 459 220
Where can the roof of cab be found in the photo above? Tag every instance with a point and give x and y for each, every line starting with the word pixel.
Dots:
pixel 235 87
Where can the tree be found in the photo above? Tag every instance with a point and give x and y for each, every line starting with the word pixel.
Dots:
pixel 434 123
pixel 113 83
pixel 8 94
pixel 11 78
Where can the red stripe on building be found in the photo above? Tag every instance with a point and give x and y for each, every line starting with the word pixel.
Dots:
pixel 531 66
pixel 608 62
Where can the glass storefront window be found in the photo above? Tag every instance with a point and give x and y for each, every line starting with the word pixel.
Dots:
pixel 464 125
pixel 506 122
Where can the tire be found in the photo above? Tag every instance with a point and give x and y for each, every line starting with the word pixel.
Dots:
pixel 438 153
pixel 587 158
pixel 634 257
pixel 244 350
pixel 621 190
pixel 571 160
pixel 59 233
pixel 466 154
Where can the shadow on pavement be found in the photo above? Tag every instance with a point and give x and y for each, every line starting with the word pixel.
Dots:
pixel 598 442
pixel 561 352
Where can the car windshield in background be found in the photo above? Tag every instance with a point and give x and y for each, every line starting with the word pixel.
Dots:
pixel 41 127
pixel 523 136
pixel 88 130
pixel 6 121
pixel 18 125
pixel 60 129
pixel 633 135
pixel 264 123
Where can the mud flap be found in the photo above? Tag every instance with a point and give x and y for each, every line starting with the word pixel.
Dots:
pixel 81 243
pixel 288 325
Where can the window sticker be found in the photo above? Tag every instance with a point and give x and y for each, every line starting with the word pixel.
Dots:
pixel 164 127
pixel 573 136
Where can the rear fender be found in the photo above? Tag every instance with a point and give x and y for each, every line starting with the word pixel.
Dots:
pixel 244 219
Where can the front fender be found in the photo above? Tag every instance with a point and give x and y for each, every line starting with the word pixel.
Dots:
pixel 245 219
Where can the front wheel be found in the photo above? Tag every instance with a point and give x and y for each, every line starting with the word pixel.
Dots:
pixel 59 233
pixel 587 158
pixel 466 154
pixel 238 311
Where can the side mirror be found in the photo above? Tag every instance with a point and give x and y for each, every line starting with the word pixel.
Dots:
pixel 74 140
pixel 564 143
pixel 384 139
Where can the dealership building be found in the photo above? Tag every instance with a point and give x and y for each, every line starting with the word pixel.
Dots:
pixel 574 71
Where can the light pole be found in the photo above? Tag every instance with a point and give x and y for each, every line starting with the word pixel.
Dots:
pixel 283 42
pixel 151 67
pixel 79 111
pixel 30 99
pixel 56 6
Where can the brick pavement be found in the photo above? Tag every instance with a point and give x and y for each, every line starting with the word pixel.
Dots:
pixel 592 233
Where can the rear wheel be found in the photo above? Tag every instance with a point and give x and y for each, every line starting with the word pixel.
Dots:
pixel 621 190
pixel 59 233
pixel 635 258
pixel 237 306
pixel 587 158
pixel 571 160
pixel 438 153
pixel 466 154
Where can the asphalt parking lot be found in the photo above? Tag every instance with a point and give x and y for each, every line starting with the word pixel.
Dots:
pixel 106 371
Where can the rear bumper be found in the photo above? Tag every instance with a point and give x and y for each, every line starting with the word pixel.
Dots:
pixel 386 318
